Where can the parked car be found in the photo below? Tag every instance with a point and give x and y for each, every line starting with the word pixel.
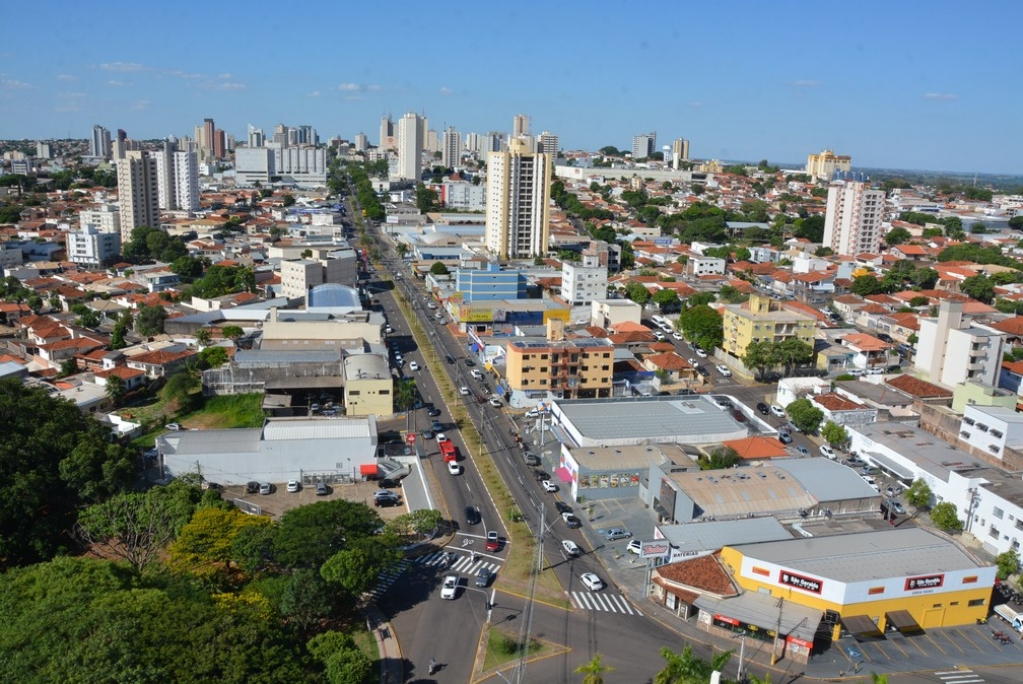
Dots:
pixel 571 548
pixel 739 415
pixel 549 486
pixel 413 366
pixel 251 487
pixel 572 521
pixel 763 409
pixel 784 438
pixel 436 426
pixel 635 546
pixel 469 362
pixel 591 581
pixel 493 541
pixel 432 411
pixel 724 370
pixel 777 410
pixel 702 371
pixel 449 358
pixel 266 488
pixel 450 587
pixel 464 391
pixel 828 451
pixel 702 354
pixel 321 489
pixel 441 437
pixel 293 486
pixel 541 475
pixel 562 507
pixel 496 403
pixel 475 372
pixel 174 427
pixel 427 433
pixel 384 498
pixel 616 533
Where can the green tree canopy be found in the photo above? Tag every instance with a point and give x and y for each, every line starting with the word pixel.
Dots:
pixel 805 416
pixel 439 268
pixel 834 434
pixel 945 517
pixel 637 292
pixel 702 325
pixel 897 236
pixel 149 320
pixel 919 494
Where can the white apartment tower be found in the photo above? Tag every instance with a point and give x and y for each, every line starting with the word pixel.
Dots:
pixel 99 145
pixel 547 143
pixel 852 224
pixel 256 136
pixel 177 179
pixel 361 143
pixel 520 126
pixel 586 281
pixel 137 192
pixel 518 201
pixel 953 350
pixel 411 135
pixel 644 145
pixel 451 149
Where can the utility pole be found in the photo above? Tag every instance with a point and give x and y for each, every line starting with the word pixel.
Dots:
pixel 777 631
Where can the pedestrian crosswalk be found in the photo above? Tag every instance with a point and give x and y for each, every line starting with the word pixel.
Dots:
pixel 611 603
pixel 440 560
pixel 959 677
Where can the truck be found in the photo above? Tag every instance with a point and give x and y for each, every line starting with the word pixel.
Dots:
pixel 1010 615
pixel 449 451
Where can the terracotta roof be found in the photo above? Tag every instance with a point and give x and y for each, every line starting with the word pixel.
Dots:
pixel 754 448
pixel 907 320
pixel 918 388
pixel 835 402
pixel 669 361
pixel 1014 367
pixel 629 326
pixel 865 342
pixel 160 357
pixel 122 372
pixel 1011 326
pixel 705 573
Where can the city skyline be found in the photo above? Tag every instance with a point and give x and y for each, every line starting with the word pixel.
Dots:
pixel 885 84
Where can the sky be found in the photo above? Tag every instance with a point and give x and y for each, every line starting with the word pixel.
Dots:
pixel 909 85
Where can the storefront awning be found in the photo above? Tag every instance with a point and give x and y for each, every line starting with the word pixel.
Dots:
pixel 860 626
pixel 890 465
pixel 762 610
pixel 368 469
pixel 564 474
pixel 903 621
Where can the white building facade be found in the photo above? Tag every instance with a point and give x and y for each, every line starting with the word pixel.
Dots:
pixel 92 247
pixel 518 202
pixel 852 224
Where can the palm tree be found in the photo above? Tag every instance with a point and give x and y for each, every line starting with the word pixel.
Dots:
pixel 402 249
pixel 687 668
pixel 594 670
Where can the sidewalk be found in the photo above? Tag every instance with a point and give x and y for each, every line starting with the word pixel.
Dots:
pixel 392 664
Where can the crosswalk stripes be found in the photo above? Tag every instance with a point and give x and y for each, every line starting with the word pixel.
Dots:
pixel 387 578
pixel 611 603
pixel 463 564
pixel 959 677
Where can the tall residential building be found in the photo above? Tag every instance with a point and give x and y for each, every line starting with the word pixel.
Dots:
pixel 44 150
pixel 137 192
pixel 361 143
pixel 823 166
pixel 547 143
pixel 99 145
pixel 105 218
pixel 388 141
pixel 953 349
pixel 520 125
pixel 644 145
pixel 281 135
pixel 586 280
pixel 177 178
pixel 256 136
pixel 518 201
pixel 219 144
pixel 92 247
pixel 451 149
pixel 852 224
pixel 558 368
pixel 209 132
pixel 411 136
pixel 307 135
pixel 679 153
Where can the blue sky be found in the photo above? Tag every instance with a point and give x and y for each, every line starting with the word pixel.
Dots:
pixel 916 85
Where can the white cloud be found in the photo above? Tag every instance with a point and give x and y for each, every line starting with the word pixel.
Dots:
pixel 116 84
pixel 66 77
pixel 695 104
pixel 226 77
pixel 806 84
pixel 225 85
pixel 13 84
pixel 356 87
pixel 141 104
pixel 183 74
pixel 121 66
pixel 446 91
pixel 943 97
pixel 315 93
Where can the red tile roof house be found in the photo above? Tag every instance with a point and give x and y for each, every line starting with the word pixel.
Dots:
pixel 843 411
pixel 131 377
pixel 871 352
pixel 159 364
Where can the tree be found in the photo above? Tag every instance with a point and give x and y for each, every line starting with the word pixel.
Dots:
pixel 804 415
pixel 1016 222
pixel 405 394
pixel 288 200
pixel 897 236
pixel 1007 563
pixel 439 269
pixel 133 526
pixel 213 357
pixel 232 332
pixel 117 337
pixel 759 357
pixel 953 225
pixel 637 292
pixel 307 598
pixel 202 337
pixel 402 249
pixel 980 287
pixel 687 668
pixel 702 325
pixel 345 663
pixel 866 285
pixel 919 494
pixel 308 535
pixel 792 352
pixel 115 389
pixel 357 567
pixel 721 458
pixel 594 670
pixel 834 433
pixel 149 320
pixel 427 200
pixel 945 516
pixel 666 299
pixel 204 546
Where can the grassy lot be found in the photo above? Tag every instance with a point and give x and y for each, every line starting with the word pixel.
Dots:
pixel 503 647
pixel 367 643
pixel 208 413
pixel 516 576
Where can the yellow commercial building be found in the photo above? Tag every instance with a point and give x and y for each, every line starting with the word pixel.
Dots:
pixel 761 319
pixel 863 584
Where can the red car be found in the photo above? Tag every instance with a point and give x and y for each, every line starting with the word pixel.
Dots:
pixel 493 541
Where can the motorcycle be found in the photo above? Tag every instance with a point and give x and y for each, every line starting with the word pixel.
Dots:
pixel 433 666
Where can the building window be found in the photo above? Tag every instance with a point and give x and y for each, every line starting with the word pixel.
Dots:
pixel 993 532
pixel 998 513
pixel 976 602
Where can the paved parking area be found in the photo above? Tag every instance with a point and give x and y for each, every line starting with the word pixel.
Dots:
pixel 276 503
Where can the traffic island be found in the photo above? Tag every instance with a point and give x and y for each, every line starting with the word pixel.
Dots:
pixel 500 650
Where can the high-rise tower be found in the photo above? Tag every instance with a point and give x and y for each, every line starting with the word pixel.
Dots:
pixel 852 224
pixel 137 191
pixel 451 148
pixel 411 135
pixel 518 201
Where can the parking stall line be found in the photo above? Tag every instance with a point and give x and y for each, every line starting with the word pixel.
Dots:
pixel 952 641
pixel 936 644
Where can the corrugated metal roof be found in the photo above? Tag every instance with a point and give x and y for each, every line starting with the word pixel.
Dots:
pixel 654 419
pixel 826 480
pixel 263 356
pixel 320 428
pixel 711 536
pixel 200 442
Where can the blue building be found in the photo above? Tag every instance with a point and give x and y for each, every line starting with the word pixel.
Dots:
pixel 490 284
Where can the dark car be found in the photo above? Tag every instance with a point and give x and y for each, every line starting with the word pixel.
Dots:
pixel 469 362
pixel 763 408
pixel 252 487
pixel 472 516
pixel 739 415
pixel 432 411
pixel 449 358
pixel 382 499
pixel 388 483
pixel 483 577
pixel 541 476
pixel 427 434
pixel 436 426
pixel 562 507
pixel 702 371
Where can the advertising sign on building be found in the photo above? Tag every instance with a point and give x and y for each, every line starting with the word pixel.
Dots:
pixel 791 579
pixel 654 549
pixel 924 582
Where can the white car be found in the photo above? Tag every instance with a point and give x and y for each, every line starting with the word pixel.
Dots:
pixel 591 581
pixel 388 330
pixel 549 486
pixel 777 410
pixel 702 354
pixel 828 451
pixel 571 548
pixel 431 305
pixel 454 468
pixel 659 336
pixel 635 546
pixel 724 370
pixel 441 437
pixel 677 336
pixel 413 366
pixel 464 391
pixel 476 374
pixel 496 403
pixel 293 486
pixel 871 481
pixel 173 427
pixel 450 587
